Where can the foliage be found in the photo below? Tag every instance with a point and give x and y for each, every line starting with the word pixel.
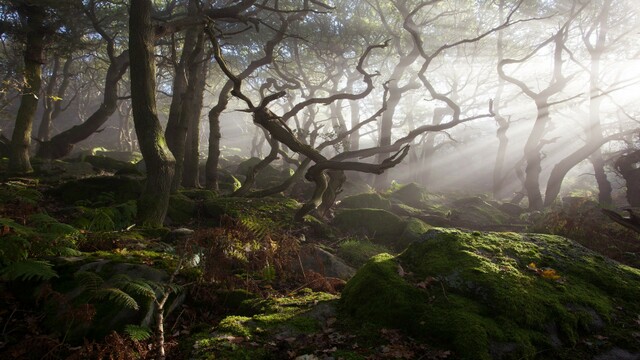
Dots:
pixel 137 332
pixel 243 252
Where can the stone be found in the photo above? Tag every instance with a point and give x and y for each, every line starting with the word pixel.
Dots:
pixel 316 259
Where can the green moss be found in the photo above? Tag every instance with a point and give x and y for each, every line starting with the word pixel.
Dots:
pixel 276 314
pixel 366 200
pixel 369 222
pixel 476 211
pixel 474 291
pixel 263 213
pixel 99 191
pixel 235 325
pixel 181 208
pixel 357 252
pixel 412 232
pixel 377 294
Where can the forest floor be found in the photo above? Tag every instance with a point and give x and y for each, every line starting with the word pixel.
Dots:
pixel 80 281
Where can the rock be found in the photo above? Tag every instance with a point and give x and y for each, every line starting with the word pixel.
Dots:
pixel 324 263
pixel 374 223
pixel 412 232
pixel 617 354
pixel 366 200
pixel 511 209
pixel 474 212
pixel 178 235
pixel 494 295
pixel 411 194
pixel 181 209
pixel 105 190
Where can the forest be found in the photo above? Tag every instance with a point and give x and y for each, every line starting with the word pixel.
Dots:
pixel 320 179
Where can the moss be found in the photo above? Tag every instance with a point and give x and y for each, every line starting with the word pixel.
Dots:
pixel 235 325
pixel 475 291
pixel 110 164
pixel 266 213
pixel 99 191
pixel 369 222
pixel 181 208
pixel 412 232
pixel 475 211
pixel 199 194
pixel 278 314
pixel 366 200
pixel 357 252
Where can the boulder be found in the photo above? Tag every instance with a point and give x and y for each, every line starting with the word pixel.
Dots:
pixel 366 200
pixel 314 258
pixel 496 295
pixel 376 223
pixel 475 212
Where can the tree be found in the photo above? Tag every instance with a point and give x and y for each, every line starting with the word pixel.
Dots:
pixel 154 200
pixel 36 29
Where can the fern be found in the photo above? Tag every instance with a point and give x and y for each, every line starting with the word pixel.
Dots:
pixel 102 221
pixel 137 332
pixel 51 227
pixel 137 287
pixel 256 226
pixel 118 297
pixel 28 269
pixel 90 281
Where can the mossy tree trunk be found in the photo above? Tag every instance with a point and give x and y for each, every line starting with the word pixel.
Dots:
pixel 191 166
pixel 153 203
pixel 34 16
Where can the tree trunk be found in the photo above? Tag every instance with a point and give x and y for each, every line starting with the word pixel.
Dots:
pixel 33 61
pixel 153 203
pixel 191 167
pixel 594 133
pixel 62 144
pixel 215 136
pixel 354 138
pixel 533 156
pixel 386 124
pixel 628 167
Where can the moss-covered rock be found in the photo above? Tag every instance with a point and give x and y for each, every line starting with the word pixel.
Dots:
pixel 494 295
pixel 366 200
pixel 375 223
pixel 287 317
pixel 258 213
pixel 181 209
pixel 412 232
pixel 474 212
pixel 110 164
pixel 99 191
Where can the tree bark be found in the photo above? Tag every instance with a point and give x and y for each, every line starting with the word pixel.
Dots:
pixel 191 166
pixel 33 61
pixel 153 203
pixel 628 167
pixel 594 132
pixel 62 144
pixel 186 72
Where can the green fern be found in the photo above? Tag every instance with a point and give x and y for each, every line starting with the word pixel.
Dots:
pixel 102 221
pixel 52 227
pixel 90 281
pixel 136 287
pixel 118 297
pixel 28 269
pixel 137 332
pixel 256 226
